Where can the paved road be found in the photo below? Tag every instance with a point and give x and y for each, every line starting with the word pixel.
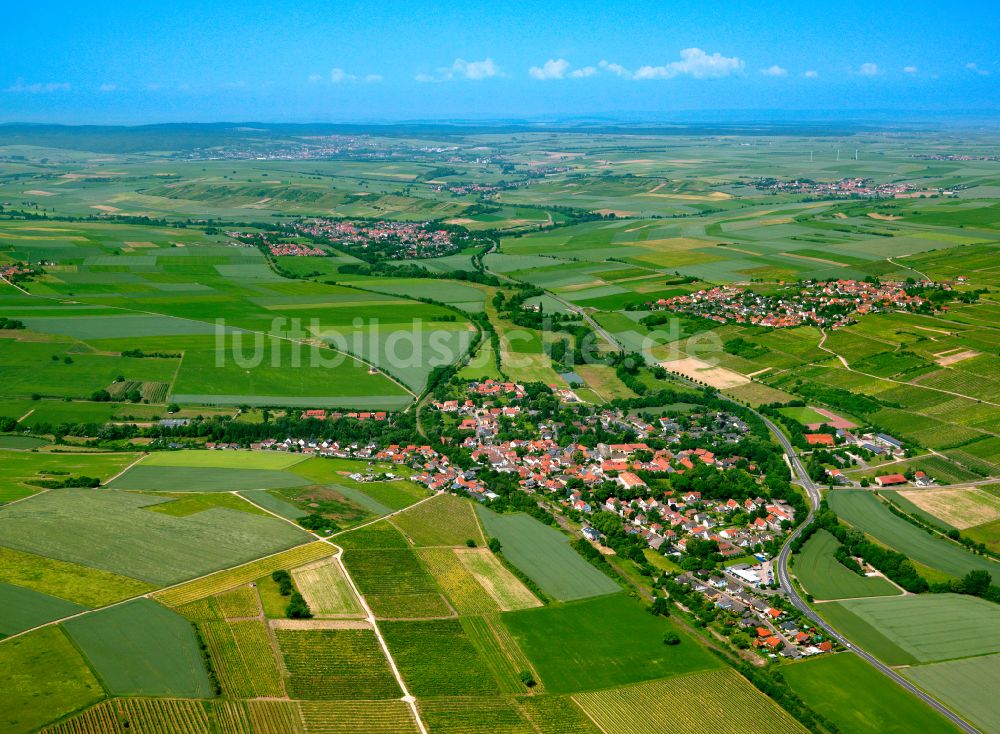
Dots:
pixel 784 578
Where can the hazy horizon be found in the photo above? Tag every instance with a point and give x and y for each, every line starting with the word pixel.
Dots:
pixel 310 62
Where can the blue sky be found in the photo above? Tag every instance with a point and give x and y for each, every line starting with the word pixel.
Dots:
pixel 114 62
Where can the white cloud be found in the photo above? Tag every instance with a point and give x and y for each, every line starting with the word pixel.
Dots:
pixel 694 63
pixel 973 67
pixel 811 74
pixel 774 70
pixel 551 69
pixel 909 70
pixel 868 69
pixel 108 87
pixel 339 76
pixel 561 69
pixel 38 88
pixel 462 69
pixel 485 69
pixel 616 69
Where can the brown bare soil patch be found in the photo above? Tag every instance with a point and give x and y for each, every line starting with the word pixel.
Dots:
pixel 697 369
pixel 960 356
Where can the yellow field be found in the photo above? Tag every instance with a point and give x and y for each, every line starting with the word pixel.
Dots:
pixel 326 589
pixel 503 586
pixel 233 577
pixel 718 702
pixel 960 508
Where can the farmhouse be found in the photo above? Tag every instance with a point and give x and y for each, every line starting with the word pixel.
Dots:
pixel 888 480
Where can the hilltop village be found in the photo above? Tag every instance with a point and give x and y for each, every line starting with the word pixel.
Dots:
pixel 861 188
pixel 832 304
pixel 384 239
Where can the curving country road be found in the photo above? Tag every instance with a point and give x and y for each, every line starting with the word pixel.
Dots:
pixel 785 580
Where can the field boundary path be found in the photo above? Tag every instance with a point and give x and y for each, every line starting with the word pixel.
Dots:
pixel 848 367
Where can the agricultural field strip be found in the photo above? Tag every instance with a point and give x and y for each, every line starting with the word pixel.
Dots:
pixel 301 342
pixel 849 368
pixel 189 581
pixel 43 491
pixel 407 697
pixel 369 614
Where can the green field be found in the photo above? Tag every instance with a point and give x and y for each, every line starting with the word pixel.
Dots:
pixel 545 556
pixel 442 520
pixel 966 686
pixel 113 531
pixel 20 470
pixel 203 479
pixel 85 586
pixel 825 577
pixel 22 609
pixel 268 460
pixel 805 416
pixel 43 677
pixel 142 649
pixel 437 659
pixel 864 511
pixel 859 699
pixel 336 665
pixel 21 443
pixel 918 628
pixel 377 535
pixel 593 657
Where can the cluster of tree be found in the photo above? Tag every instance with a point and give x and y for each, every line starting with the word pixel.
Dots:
pixel 89 482
pixel 318 523
pixel 627 368
pixel 139 354
pixel 10 324
pixel 626 545
pixel 413 270
pixel 134 395
pixel 511 498
pixel 895 565
pixel 950 533
pixel 744 348
pixel 594 557
pixel 222 429
pixel 297 608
